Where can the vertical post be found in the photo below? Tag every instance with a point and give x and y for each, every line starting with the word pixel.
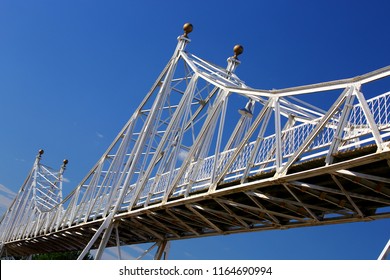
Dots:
pixel 61 177
pixel 35 174
pixel 233 62
pixel 278 136
pixel 370 120
pixel 162 251
pixel 118 243
pixel 259 139
pixel 341 125
pixel 183 39
pixel 242 144
pixel 219 139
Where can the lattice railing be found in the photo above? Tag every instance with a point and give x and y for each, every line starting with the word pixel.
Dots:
pixel 293 138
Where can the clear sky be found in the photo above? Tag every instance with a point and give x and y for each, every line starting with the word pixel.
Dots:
pixel 72 73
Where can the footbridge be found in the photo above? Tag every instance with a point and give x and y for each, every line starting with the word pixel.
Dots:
pixel 204 154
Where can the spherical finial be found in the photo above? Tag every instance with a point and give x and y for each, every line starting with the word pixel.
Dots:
pixel 188 27
pixel 238 49
pixel 65 162
pixel 40 152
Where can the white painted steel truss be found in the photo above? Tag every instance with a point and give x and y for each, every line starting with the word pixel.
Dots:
pixel 201 134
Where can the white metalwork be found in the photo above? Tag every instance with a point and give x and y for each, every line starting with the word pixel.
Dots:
pixel 385 252
pixel 189 135
pixel 38 203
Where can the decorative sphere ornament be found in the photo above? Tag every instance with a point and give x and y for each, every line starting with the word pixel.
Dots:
pixel 238 49
pixel 188 27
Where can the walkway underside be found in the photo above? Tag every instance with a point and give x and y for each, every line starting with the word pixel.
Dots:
pixel 356 187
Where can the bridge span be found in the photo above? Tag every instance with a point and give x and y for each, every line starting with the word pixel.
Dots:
pixel 204 154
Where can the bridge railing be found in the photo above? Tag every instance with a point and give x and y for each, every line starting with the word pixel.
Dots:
pixel 356 133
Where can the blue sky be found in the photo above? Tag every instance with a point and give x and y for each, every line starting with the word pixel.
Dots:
pixel 73 72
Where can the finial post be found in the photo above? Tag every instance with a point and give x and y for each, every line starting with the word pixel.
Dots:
pixel 40 153
pixel 233 61
pixel 183 39
pixel 188 27
pixel 238 49
pixel 63 167
pixel 64 163
pixel 39 156
pixel 37 160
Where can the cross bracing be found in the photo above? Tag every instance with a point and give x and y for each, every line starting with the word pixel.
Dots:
pixel 204 154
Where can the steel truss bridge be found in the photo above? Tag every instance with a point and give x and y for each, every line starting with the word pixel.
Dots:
pixel 204 154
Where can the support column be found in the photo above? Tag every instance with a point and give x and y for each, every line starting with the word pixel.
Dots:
pixel 163 250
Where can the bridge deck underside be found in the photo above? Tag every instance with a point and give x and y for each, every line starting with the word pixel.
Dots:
pixel 356 187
